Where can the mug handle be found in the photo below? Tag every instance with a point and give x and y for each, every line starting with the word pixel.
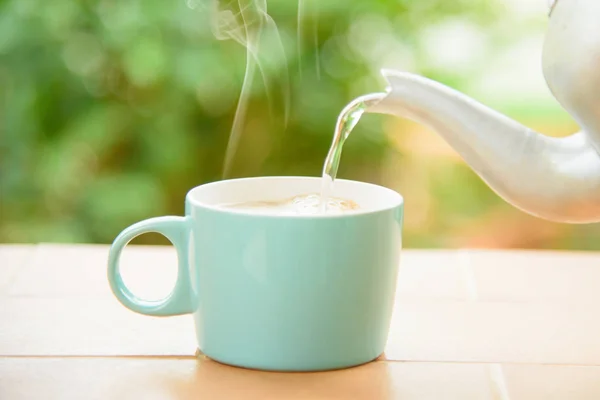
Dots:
pixel 179 301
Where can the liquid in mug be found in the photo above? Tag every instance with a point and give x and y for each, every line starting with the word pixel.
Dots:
pixel 306 204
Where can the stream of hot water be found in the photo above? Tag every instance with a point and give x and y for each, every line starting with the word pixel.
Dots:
pixel 346 121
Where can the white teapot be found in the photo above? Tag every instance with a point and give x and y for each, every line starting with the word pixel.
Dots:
pixel 552 178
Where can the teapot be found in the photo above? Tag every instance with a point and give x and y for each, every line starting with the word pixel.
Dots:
pixel 554 178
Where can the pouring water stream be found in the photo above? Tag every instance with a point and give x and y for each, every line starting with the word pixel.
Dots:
pixel 346 121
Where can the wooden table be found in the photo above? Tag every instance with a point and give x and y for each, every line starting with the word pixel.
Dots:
pixel 467 325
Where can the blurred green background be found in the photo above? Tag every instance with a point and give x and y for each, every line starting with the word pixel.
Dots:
pixel 112 109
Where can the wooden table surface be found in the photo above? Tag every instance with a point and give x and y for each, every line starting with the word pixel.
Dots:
pixel 467 325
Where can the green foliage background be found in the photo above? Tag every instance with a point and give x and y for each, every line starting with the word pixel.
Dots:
pixel 112 110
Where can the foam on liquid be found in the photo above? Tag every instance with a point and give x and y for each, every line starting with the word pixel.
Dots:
pixel 307 204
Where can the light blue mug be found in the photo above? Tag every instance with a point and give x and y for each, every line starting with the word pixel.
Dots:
pixel 279 292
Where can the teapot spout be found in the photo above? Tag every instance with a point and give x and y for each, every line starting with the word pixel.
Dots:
pixel 557 179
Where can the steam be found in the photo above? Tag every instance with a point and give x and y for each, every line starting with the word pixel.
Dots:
pixel 248 23
pixel 302 11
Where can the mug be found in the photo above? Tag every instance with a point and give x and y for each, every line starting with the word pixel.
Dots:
pixel 279 292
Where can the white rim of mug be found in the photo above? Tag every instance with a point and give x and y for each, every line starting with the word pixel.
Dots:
pixel 399 201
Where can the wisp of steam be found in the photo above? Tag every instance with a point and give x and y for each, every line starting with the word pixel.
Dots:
pixel 303 10
pixel 248 23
